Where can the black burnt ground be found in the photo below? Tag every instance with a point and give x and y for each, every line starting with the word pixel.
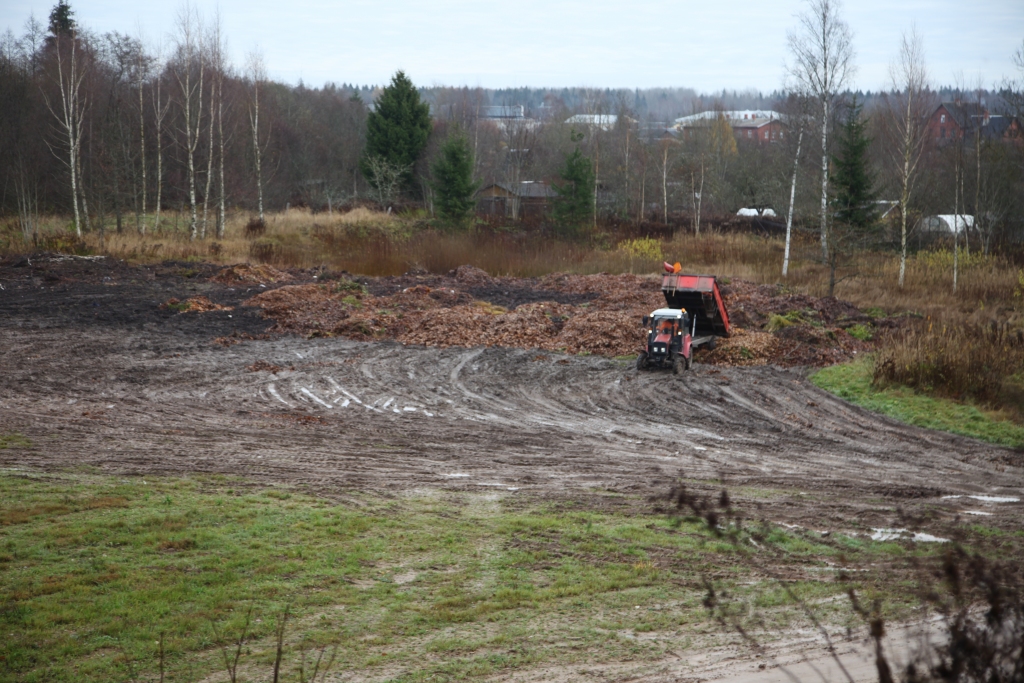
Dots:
pixel 59 291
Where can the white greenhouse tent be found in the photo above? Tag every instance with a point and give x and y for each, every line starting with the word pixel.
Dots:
pixel 947 224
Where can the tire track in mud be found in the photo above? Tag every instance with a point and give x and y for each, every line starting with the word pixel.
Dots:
pixel 343 415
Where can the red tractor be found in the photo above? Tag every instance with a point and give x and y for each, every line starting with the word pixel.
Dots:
pixel 695 317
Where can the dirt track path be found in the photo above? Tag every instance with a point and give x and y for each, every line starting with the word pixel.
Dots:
pixel 95 373
pixel 344 415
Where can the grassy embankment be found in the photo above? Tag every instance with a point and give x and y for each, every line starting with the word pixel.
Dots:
pixel 94 570
pixel 958 365
pixel 854 382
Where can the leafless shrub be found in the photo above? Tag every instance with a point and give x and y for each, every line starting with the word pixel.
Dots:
pixel 979 601
pixel 231 662
pixel 282 622
pixel 265 251
pixel 255 227
pixel 320 662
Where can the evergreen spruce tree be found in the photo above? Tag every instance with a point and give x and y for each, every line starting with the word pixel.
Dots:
pixel 62 19
pixel 853 223
pixel 396 130
pixel 573 206
pixel 853 181
pixel 453 180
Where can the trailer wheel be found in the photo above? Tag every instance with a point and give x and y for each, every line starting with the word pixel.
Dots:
pixel 641 361
pixel 712 344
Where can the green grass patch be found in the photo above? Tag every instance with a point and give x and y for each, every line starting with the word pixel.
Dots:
pixel 14 440
pixel 853 381
pixel 862 332
pixel 442 586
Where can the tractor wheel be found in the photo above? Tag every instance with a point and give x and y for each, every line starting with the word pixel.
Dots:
pixel 678 366
pixel 641 361
pixel 689 361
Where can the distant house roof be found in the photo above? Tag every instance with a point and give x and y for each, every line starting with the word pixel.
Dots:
pixel 602 120
pixel 971 116
pixel 736 118
pixel 963 113
pixel 998 125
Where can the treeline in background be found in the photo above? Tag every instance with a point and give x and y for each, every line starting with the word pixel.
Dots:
pixel 116 134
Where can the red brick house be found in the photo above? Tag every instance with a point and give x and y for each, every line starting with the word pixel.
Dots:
pixel 955 120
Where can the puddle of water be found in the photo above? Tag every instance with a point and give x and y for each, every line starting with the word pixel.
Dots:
pixel 986 499
pixel 897 534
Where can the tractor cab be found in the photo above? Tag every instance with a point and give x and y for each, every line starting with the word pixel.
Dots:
pixel 668 339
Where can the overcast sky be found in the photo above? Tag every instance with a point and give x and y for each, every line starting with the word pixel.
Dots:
pixel 707 45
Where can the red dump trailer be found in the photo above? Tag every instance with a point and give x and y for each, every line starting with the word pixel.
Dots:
pixel 694 316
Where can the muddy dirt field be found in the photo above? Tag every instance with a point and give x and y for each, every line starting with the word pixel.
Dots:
pixel 166 370
pixel 99 371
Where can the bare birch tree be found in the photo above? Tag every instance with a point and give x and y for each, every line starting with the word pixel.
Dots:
pixel 219 76
pixel 257 75
pixel 70 113
pixel 906 112
pixel 142 68
pixel 667 161
pixel 213 53
pixel 160 109
pixel 190 73
pixel 822 53
pixel 792 200
pixel 958 184
pixel 697 195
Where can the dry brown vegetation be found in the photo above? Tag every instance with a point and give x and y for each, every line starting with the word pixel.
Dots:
pixel 959 358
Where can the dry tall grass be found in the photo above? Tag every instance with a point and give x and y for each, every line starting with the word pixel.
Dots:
pixel 373 243
pixel 959 358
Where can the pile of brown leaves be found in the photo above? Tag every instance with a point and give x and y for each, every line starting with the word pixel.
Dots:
pixel 444 314
pixel 195 304
pixel 244 273
pixel 750 305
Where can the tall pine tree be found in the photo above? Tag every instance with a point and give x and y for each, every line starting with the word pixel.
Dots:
pixel 573 206
pixel 854 218
pixel 854 197
pixel 396 130
pixel 62 19
pixel 453 180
